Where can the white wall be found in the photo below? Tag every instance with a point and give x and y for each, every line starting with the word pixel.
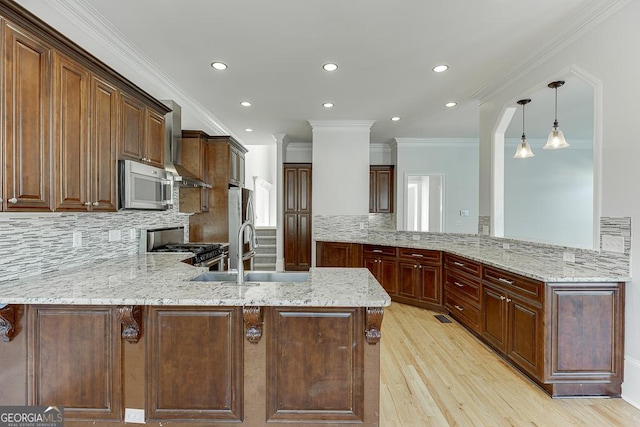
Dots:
pixel 340 167
pixel 457 160
pixel 549 198
pixel 610 53
pixel 260 161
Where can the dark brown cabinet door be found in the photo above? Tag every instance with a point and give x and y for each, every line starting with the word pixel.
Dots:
pixel 525 341
pixel 154 138
pixel 381 189
pixel 71 97
pixel 27 139
pixel 297 217
pixel 385 270
pixel 131 127
pixel 338 254
pixel 408 278
pixel 103 146
pixel 430 284
pixel 495 318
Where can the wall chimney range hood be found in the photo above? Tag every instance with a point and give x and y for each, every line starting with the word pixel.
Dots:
pixel 173 149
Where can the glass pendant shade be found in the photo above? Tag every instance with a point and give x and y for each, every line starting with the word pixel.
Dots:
pixel 523 151
pixel 555 140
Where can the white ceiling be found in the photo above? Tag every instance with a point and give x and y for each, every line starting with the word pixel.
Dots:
pixel 385 51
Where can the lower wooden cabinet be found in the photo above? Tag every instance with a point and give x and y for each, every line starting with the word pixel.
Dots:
pixel 383 264
pixel 338 254
pixel 420 277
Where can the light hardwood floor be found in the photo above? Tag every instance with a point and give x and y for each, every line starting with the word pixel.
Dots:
pixel 439 374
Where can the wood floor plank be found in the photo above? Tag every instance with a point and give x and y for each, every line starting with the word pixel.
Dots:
pixel 439 374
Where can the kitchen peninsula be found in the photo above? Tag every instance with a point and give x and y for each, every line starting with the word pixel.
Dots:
pixel 137 333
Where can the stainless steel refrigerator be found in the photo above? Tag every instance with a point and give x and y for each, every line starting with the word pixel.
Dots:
pixel 241 209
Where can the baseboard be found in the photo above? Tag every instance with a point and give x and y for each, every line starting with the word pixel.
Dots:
pixel 631 384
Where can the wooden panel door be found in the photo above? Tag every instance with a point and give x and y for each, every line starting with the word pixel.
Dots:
pixel 103 146
pixel 71 97
pixel 75 360
pixel 381 189
pixel 132 119
pixel 183 384
pixel 408 278
pixel 526 340
pixel 297 217
pixel 494 317
pixel 27 139
pixel 154 138
pixel 430 284
pixel 315 365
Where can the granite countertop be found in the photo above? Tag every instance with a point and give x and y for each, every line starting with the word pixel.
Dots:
pixel 162 279
pixel 545 270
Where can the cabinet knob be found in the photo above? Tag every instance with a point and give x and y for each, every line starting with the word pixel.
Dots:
pixel 1 200
pixel 87 203
pixel 95 203
pixel 13 200
pixel 509 300
pixel 502 297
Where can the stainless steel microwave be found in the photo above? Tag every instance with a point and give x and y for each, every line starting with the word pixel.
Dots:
pixel 144 187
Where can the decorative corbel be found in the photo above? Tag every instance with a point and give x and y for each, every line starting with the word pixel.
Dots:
pixel 252 323
pixel 130 317
pixel 373 324
pixel 7 323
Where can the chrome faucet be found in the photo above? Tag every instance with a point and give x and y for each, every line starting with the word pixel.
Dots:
pixel 240 278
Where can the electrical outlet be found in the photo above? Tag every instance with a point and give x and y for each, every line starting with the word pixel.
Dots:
pixel 612 244
pixel 485 230
pixel 134 415
pixel 506 246
pixel 115 235
pixel 464 212
pixel 362 226
pixel 568 257
pixel 77 239
pixel 133 234
pixel 415 237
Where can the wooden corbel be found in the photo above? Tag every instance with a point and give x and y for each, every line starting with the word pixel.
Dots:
pixel 252 323
pixel 7 323
pixel 130 317
pixel 373 324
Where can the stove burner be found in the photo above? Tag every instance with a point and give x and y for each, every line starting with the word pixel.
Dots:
pixel 202 251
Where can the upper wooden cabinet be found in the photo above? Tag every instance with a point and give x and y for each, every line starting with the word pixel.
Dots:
pixel 26 101
pixel 381 189
pixel 233 153
pixel 141 132
pixel 195 158
pixel 65 116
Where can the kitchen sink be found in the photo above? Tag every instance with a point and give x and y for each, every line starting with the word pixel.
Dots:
pixel 251 277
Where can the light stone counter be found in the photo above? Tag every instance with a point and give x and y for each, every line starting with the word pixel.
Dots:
pixel 536 267
pixel 162 279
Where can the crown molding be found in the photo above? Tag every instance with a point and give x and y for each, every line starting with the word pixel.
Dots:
pixel 437 142
pixel 94 25
pixel 343 125
pixel 595 12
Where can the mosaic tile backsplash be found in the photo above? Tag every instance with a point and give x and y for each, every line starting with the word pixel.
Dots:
pixel 32 244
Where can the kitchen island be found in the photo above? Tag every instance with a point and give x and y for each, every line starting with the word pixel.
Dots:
pixel 137 333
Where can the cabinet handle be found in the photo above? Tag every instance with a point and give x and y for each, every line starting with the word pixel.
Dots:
pixel 459 264
pixel 13 200
pixel 418 255
pixel 460 285
pixel 95 203
pixel 378 251
pixel 509 300
pixel 458 308
pixel 503 280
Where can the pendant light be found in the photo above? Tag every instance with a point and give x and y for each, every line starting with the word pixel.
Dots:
pixel 556 139
pixel 524 149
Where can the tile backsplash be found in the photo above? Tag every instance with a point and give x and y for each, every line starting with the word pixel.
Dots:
pixel 31 244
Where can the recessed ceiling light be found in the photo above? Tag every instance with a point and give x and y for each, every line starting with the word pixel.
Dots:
pixel 330 66
pixel 245 104
pixel 395 118
pixel 440 68
pixel 450 104
pixel 327 104
pixel 248 130
pixel 219 65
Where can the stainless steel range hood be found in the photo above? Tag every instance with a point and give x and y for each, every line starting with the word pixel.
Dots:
pixel 173 149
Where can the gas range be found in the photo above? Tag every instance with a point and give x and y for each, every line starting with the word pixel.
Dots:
pixel 171 240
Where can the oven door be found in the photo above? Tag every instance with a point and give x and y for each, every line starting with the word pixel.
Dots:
pixel 144 187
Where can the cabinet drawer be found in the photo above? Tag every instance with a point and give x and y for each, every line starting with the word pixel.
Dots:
pixel 460 264
pixel 422 255
pixel 516 284
pixel 379 250
pixel 469 288
pixel 462 310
